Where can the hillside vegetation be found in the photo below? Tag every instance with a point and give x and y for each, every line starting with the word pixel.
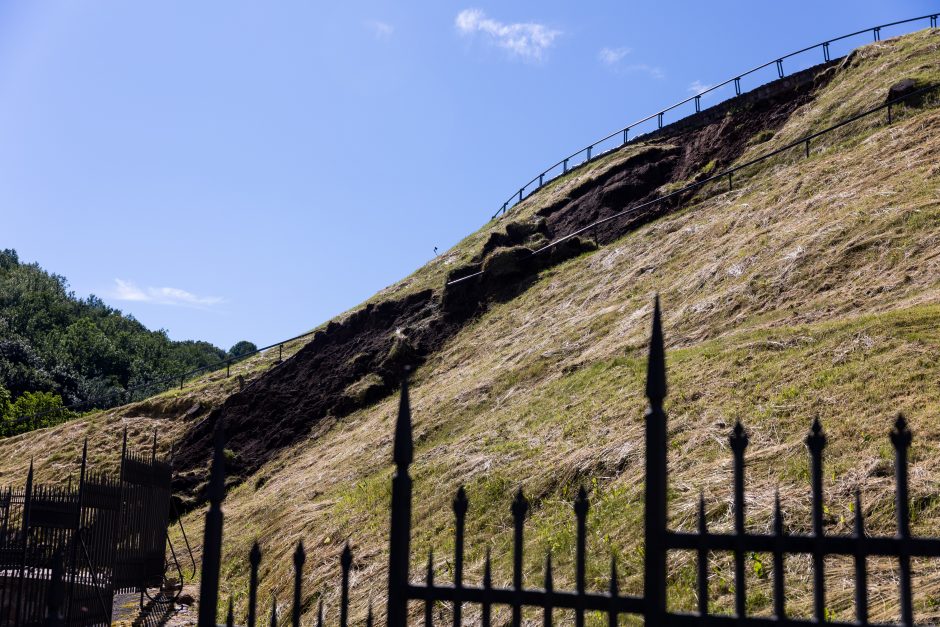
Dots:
pixel 812 289
pixel 57 348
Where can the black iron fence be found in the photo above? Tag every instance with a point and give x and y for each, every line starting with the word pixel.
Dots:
pixel 65 551
pixel 659 541
pixel 621 136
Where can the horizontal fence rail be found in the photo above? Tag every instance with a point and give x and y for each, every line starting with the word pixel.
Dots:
pixel 803 143
pixel 659 540
pixel 622 136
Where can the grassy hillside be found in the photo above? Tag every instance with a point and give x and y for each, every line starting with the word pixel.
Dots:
pixel 811 290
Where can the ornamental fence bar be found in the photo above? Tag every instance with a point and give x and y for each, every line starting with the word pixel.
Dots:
pixel 66 551
pixel 659 541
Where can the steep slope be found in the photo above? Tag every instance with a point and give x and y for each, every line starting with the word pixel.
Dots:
pixel 809 290
pixel 360 359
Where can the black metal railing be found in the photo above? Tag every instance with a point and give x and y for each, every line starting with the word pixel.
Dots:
pixel 622 136
pixel 802 143
pixel 659 541
pixel 65 551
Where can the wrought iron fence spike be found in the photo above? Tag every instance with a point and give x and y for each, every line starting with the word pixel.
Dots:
pixel 656 363
pixel 403 452
pixel 460 502
pixel 299 558
pixel 254 560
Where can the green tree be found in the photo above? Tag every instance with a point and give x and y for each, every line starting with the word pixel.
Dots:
pixel 34 410
pixel 242 348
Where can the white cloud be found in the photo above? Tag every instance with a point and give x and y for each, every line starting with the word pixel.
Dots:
pixel 697 87
pixel 650 70
pixel 528 40
pixel 129 291
pixel 383 31
pixel 612 56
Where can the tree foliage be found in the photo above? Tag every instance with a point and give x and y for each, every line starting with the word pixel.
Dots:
pixel 54 345
pixel 242 348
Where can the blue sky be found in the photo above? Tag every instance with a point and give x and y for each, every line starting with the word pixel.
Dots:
pixel 246 170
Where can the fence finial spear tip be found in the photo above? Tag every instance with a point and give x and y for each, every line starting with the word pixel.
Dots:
pixel 460 502
pixel 255 555
pixel 901 434
pixel 738 439
pixel 656 364
pixel 217 473
pixel 300 556
pixel 403 449
pixel 520 505
pixel 581 502
pixel 816 440
pixel 345 559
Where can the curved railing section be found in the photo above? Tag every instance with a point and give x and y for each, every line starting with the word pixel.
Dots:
pixel 622 136
pixel 802 142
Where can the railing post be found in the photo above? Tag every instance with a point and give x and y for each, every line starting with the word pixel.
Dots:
pixel 565 166
pixel 521 189
pixel 399 553
pixel 27 505
pixel 589 152
pixel 541 179
pixel 901 440
pixel 54 616
pixel 254 560
pixel 659 119
pixel 625 135
pixel 825 48
pixel 654 575
pixel 780 68
pixel 876 31
pixel 698 104
pixel 73 558
pixel 816 442
pixel 460 512
pixel 933 21
pixel 212 537
pixel 737 86
pixel 738 442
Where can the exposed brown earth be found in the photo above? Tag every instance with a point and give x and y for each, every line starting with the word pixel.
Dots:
pixel 358 361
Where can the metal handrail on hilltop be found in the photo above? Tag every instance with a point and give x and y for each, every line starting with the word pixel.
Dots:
pixel 588 151
pixel 729 172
